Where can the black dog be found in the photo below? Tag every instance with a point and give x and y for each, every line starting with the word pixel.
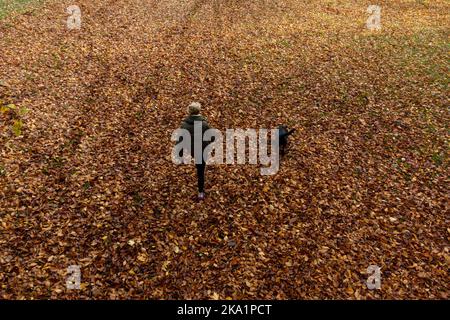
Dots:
pixel 283 134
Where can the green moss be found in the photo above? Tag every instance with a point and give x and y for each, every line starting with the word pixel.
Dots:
pixel 9 6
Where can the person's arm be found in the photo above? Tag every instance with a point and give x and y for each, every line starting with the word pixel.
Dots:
pixel 180 139
pixel 207 127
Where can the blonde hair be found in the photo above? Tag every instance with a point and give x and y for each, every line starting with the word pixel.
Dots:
pixel 194 108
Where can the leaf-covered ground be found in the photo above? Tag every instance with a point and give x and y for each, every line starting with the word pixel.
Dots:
pixel 86 176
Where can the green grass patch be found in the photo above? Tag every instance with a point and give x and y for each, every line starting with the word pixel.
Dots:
pixel 8 7
pixel 423 54
pixel 437 158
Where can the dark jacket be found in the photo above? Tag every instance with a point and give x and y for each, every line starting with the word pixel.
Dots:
pixel 188 124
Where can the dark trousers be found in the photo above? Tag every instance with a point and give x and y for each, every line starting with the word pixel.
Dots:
pixel 201 176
